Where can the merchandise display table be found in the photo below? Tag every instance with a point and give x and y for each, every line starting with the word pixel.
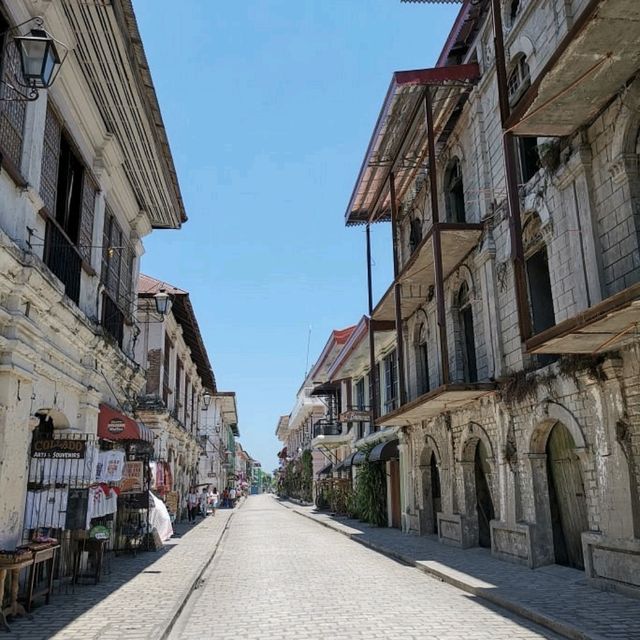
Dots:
pixel 46 556
pixel 14 608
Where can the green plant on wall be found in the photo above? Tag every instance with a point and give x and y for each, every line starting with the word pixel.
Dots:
pixel 306 476
pixel 370 501
pixel 296 479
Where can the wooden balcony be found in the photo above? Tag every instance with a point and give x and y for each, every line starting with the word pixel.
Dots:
pixel 418 274
pixel 447 397
pixel 608 325
pixel 592 63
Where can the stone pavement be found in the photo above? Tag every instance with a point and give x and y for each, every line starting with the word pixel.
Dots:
pixel 141 597
pixel 557 597
pixel 279 576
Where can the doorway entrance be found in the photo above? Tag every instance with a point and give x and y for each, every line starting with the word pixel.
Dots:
pixel 567 500
pixel 394 486
pixel 484 503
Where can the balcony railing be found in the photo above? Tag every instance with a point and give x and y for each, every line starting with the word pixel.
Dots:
pixel 327 429
pixel 62 257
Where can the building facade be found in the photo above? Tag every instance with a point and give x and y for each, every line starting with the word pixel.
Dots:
pixel 171 351
pixel 77 196
pixel 509 173
pixel 218 434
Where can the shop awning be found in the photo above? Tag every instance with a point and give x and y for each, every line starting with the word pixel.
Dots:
pixel 359 458
pixel 384 451
pixel 347 462
pixel 325 471
pixel 114 425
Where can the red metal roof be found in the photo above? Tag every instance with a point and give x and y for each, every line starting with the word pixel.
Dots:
pixel 398 142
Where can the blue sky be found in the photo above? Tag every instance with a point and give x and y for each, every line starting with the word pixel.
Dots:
pixel 269 106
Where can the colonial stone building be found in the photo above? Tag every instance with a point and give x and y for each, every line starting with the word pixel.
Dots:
pixel 83 180
pixel 172 353
pixel 218 433
pixel 510 175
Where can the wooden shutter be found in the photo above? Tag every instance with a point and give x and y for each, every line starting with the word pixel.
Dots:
pixel 50 161
pixel 85 235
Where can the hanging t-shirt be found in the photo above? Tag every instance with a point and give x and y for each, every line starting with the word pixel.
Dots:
pixel 46 508
pixel 110 466
pixel 102 502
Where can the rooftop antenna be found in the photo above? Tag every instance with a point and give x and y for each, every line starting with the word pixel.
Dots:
pixel 306 366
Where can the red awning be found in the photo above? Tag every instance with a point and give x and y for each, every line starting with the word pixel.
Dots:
pixel 114 425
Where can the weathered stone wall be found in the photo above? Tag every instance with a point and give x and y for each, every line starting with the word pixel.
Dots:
pixel 588 212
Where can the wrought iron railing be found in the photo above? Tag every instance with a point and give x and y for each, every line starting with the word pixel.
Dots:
pixel 63 258
pixel 327 429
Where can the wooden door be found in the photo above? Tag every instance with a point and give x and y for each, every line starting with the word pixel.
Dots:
pixel 567 498
pixel 394 479
pixel 436 492
pixel 484 503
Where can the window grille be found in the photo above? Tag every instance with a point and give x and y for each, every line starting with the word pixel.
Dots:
pixel 391 382
pixel 12 112
pixel 117 264
pixel 50 161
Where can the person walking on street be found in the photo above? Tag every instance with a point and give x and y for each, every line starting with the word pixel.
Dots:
pixel 202 500
pixel 215 498
pixel 232 497
pixel 192 504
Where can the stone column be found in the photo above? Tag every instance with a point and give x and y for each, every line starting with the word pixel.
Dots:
pixel 490 316
pixel 15 440
pixel 405 482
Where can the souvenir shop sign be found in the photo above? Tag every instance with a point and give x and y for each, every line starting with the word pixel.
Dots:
pixel 55 449
pixel 132 477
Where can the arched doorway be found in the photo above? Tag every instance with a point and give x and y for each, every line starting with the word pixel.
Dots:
pixel 431 488
pixel 484 503
pixel 567 500
pixel 436 491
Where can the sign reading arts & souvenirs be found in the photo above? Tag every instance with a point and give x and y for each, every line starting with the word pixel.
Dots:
pixel 58 449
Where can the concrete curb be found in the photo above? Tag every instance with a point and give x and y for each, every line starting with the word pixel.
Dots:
pixel 553 624
pixel 178 607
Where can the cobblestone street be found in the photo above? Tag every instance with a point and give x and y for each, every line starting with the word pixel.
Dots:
pixel 278 575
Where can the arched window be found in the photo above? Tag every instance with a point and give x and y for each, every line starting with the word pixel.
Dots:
pixel 454 192
pixel 519 79
pixel 422 360
pixel 514 8
pixel 467 335
pixel 537 270
pixel 415 233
